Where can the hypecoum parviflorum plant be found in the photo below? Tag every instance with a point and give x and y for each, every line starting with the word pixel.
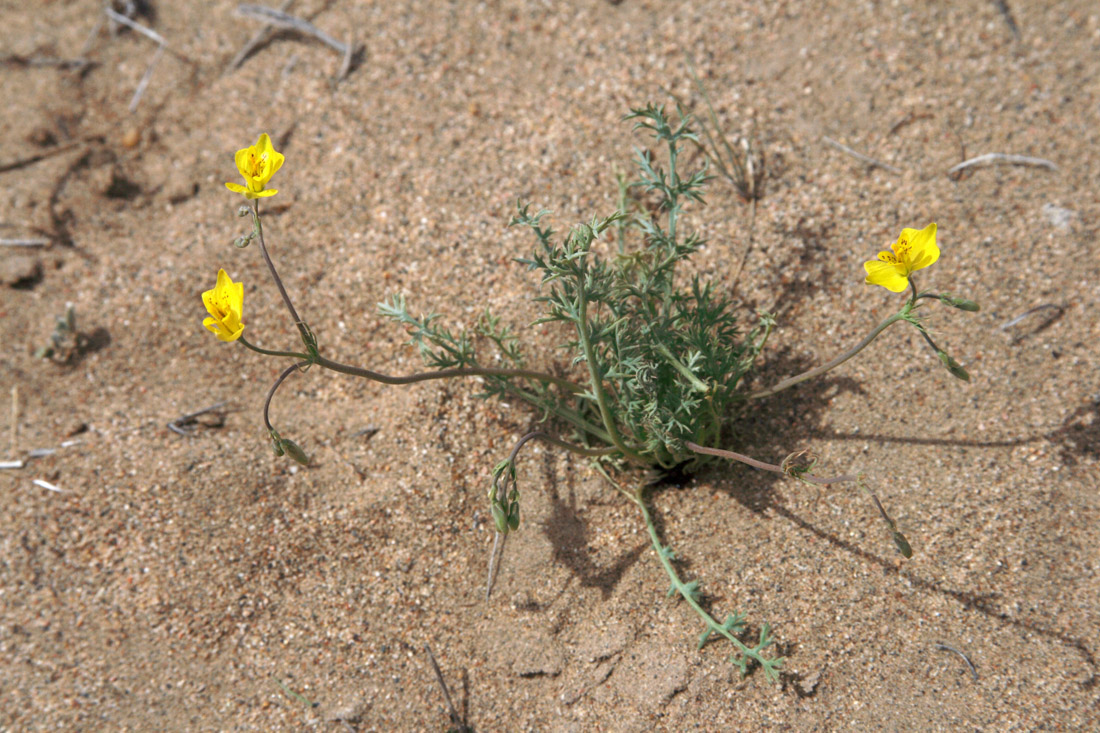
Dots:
pixel 659 360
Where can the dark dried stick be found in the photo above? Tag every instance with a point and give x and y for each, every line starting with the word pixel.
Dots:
pixel 1046 306
pixel 31 160
pixel 946 648
pixel 443 685
pixel 860 156
pixel 179 424
pixel 1006 12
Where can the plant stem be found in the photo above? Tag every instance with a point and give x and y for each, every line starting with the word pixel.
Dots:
pixel 271 392
pixel 597 381
pixel 269 352
pixel 765 466
pixel 679 366
pixel 446 374
pixel 790 382
pixel 275 275
pixel 688 595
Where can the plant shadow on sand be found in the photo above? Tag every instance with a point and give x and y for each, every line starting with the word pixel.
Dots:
pixel 771 429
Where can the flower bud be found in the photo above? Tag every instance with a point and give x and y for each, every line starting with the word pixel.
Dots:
pixel 962 304
pixel 953 366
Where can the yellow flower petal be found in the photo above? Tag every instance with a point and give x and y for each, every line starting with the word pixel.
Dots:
pixel 888 275
pixel 257 164
pixel 225 304
pixel 922 247
pixel 243 161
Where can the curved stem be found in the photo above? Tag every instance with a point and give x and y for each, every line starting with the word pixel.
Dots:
pixel 790 382
pixel 271 392
pixel 571 447
pixel 269 352
pixel 445 374
pixel 679 366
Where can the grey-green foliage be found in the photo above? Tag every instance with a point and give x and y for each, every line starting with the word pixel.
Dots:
pixel 662 350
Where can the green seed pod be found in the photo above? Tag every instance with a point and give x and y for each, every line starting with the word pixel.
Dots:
pixel 295 452
pixel 962 304
pixel 902 545
pixel 953 366
pixel 277 446
pixel 500 519
pixel 513 516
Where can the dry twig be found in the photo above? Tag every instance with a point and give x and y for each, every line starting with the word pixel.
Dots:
pixel 279 19
pixel 182 425
pixel 455 719
pixel 946 648
pixel 860 156
pixel 1006 158
pixel 259 37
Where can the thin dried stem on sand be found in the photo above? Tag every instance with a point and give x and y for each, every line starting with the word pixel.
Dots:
pixel 860 156
pixel 134 25
pixel 140 91
pixel 455 719
pixel 1004 158
pixel 182 424
pixel 946 648
pixel 162 46
pixel 258 38
pixel 285 21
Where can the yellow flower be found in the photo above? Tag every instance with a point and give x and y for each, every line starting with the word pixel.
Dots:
pixel 257 164
pixel 224 303
pixel 914 250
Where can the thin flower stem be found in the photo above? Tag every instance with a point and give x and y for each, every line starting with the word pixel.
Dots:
pixel 271 392
pixel 597 382
pixel 275 275
pixel 269 352
pixel 573 448
pixel 790 382
pixel 445 374
pixel 766 466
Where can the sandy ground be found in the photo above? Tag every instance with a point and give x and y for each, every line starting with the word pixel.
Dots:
pixel 180 582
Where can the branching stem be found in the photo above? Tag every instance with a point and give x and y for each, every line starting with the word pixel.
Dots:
pixel 688 595
pixel 269 352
